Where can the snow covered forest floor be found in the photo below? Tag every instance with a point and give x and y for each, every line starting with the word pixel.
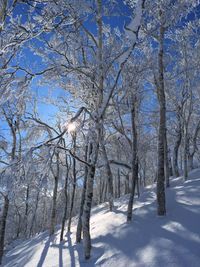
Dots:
pixel 148 240
pixel 97 100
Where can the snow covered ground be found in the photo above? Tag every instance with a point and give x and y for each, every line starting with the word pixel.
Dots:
pixel 172 241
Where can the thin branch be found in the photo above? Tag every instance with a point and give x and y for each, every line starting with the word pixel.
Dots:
pixel 72 154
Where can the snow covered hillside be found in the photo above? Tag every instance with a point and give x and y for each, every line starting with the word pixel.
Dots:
pixel 148 241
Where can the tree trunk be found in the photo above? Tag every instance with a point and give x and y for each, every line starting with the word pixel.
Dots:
pixel 134 164
pixel 170 164
pixel 19 225
pixel 166 162
pixel 175 154
pixel 101 190
pixel 34 215
pixel 88 204
pixel 74 185
pixel 44 217
pixel 162 130
pixel 53 213
pixel 144 173
pixel 79 225
pixel 66 201
pixel 55 192
pixel 109 177
pixel 126 184
pixel 95 137
pixel 190 161
pixel 118 183
pixel 181 159
pixel 194 147
pixel 3 226
pixel 26 210
pixel 138 187
pixel 185 154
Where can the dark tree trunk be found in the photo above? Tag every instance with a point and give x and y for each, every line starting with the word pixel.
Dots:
pixel 87 211
pixel 175 154
pixel 3 226
pixel 105 191
pixel 118 183
pixel 134 164
pixel 26 210
pixel 138 188
pixel 19 225
pixel 55 192
pixel 170 164
pixel 126 184
pixel 53 214
pixel 101 191
pixel 144 173
pixel 190 162
pixel 162 129
pixel 166 162
pixel 185 154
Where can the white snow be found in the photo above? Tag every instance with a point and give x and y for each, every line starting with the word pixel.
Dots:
pixel 131 30
pixel 149 241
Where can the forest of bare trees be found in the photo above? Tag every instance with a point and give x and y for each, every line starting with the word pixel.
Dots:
pixel 98 99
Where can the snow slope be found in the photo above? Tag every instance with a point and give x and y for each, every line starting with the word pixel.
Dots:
pixel 172 241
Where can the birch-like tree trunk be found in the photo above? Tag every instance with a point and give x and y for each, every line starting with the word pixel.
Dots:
pixel 74 184
pixel 95 135
pixel 99 114
pixel 79 225
pixel 109 177
pixel 89 196
pixel 66 200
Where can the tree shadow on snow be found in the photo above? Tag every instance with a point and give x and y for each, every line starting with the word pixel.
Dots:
pixel 71 250
pixel 23 253
pixel 61 246
pixel 44 252
pixel 164 239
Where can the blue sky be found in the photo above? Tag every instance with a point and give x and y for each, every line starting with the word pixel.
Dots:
pixel 35 63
